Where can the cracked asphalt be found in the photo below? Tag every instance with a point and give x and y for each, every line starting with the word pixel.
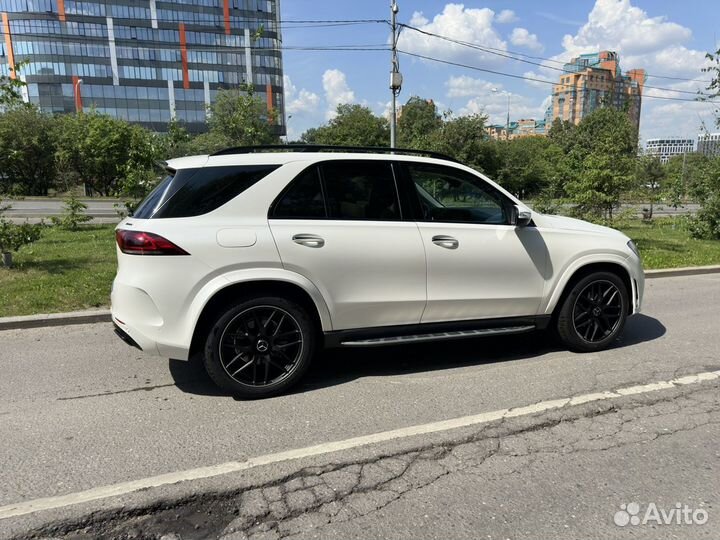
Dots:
pixel 78 409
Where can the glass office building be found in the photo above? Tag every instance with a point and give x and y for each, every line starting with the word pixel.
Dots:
pixel 146 61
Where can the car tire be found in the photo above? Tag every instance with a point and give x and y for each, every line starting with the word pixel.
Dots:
pixel 594 312
pixel 260 347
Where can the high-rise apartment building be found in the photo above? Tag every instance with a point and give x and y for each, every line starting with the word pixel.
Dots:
pixel 667 147
pixel 709 144
pixel 595 80
pixel 145 61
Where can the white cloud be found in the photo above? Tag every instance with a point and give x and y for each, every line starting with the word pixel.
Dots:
pixel 506 16
pixel 464 86
pixel 538 78
pixel 456 22
pixel 300 102
pixel 628 28
pixel 337 91
pixel 522 38
pixel 645 41
pixel 491 99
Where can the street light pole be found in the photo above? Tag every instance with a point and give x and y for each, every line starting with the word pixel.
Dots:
pixel 507 120
pixel 395 76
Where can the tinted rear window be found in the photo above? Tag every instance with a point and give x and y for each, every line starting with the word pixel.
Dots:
pixel 303 199
pixel 199 191
pixel 360 190
pixel 146 208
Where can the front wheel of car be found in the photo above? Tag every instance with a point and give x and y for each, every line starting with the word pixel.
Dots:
pixel 593 314
pixel 260 347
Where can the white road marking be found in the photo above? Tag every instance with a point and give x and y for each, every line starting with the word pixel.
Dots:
pixel 123 488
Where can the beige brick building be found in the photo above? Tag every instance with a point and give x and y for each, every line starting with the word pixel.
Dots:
pixel 595 80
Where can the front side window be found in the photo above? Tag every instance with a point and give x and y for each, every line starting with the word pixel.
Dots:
pixel 454 196
pixel 360 190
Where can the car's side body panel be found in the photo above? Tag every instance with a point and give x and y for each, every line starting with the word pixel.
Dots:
pixel 494 271
pixel 368 274
pixel 371 273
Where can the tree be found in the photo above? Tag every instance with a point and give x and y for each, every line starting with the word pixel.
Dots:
pixel 73 215
pixel 209 142
pixel 561 132
pixel 354 125
pixel 601 154
pixel 527 165
pixel 11 89
pixel 27 151
pixel 714 86
pixel 682 173
pixel 650 175
pixel 701 179
pixel 178 142
pixel 13 236
pixel 418 120
pixel 100 150
pixel 464 139
pixel 241 118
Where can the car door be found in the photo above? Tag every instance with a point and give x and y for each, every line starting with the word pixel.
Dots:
pixel 479 266
pixel 341 225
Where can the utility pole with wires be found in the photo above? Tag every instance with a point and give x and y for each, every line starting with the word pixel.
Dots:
pixel 395 76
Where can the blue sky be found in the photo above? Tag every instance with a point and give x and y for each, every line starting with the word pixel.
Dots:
pixel 667 38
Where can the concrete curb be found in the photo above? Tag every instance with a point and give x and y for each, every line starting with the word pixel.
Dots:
pixel 687 271
pixel 55 319
pixel 103 315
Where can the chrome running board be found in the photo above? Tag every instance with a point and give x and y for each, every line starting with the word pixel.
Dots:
pixel 437 336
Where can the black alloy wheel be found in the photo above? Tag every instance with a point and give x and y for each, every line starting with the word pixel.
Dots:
pixel 593 313
pixel 597 311
pixel 260 347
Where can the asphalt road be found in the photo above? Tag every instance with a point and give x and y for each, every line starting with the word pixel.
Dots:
pixel 79 409
pixel 36 209
pixel 103 210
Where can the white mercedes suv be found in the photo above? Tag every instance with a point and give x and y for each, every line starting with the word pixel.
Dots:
pixel 256 257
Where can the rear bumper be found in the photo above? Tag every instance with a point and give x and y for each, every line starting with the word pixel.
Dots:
pixel 122 334
pixel 139 324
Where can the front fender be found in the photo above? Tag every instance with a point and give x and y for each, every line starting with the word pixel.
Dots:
pixel 566 274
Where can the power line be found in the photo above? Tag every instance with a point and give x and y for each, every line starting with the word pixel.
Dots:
pixel 525 78
pixel 513 56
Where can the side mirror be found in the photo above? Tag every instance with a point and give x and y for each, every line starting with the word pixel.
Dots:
pixel 519 216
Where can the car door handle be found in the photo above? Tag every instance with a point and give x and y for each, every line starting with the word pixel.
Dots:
pixel 309 240
pixel 447 242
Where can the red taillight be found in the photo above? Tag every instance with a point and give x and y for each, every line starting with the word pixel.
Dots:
pixel 145 243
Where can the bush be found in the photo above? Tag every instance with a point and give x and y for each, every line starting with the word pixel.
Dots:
pixel 13 237
pixel 73 215
pixel 706 223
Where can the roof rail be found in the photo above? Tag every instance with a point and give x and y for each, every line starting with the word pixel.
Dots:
pixel 330 148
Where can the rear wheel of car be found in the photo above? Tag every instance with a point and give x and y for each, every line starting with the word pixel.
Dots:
pixel 593 314
pixel 260 347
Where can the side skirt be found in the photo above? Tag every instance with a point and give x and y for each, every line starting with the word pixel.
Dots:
pixel 418 333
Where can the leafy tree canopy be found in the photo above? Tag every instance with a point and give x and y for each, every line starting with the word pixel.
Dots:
pixel 354 125
pixel 241 118
pixel 418 120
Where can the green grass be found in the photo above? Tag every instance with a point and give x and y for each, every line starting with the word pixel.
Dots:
pixel 68 271
pixel 664 243
pixel 63 271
